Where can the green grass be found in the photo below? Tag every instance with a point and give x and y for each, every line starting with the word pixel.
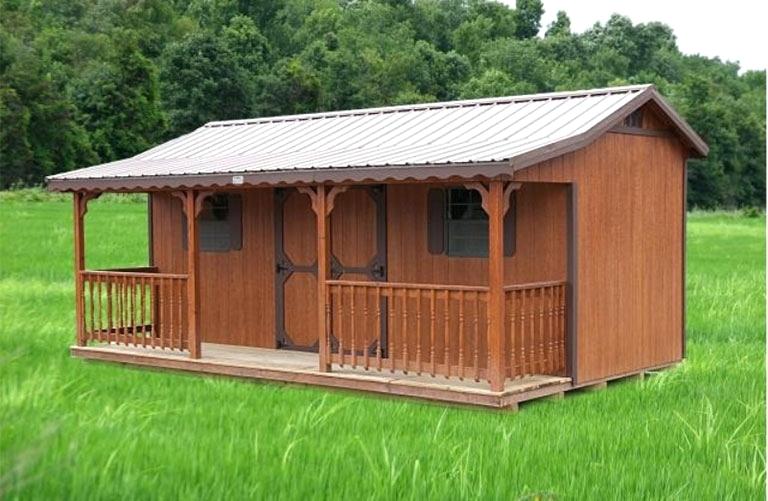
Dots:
pixel 73 429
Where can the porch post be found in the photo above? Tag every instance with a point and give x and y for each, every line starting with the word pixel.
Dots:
pixel 321 212
pixel 495 207
pixel 193 271
pixel 79 241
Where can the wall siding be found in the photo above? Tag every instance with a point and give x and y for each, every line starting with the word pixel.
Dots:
pixel 236 288
pixel 630 250
pixel 540 253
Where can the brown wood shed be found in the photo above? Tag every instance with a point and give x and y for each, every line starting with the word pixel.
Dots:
pixel 486 251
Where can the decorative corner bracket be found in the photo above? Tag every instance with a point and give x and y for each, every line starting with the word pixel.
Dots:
pixel 330 197
pixel 84 198
pixel 484 194
pixel 199 199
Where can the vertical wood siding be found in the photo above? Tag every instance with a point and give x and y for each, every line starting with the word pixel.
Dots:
pixel 630 216
pixel 540 253
pixel 236 288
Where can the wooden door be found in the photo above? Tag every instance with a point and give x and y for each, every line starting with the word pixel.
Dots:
pixel 358 252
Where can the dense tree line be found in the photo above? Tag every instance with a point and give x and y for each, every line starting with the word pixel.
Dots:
pixel 88 81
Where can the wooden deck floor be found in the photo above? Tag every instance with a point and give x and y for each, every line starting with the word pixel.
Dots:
pixel 302 368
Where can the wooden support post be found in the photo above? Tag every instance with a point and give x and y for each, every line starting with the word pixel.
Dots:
pixel 323 260
pixel 322 200
pixel 191 210
pixel 495 204
pixel 79 240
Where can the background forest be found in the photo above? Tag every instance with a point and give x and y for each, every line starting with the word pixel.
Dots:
pixel 90 81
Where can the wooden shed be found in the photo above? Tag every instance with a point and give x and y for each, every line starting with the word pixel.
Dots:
pixel 485 251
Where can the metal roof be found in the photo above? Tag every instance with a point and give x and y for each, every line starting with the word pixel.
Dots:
pixel 481 137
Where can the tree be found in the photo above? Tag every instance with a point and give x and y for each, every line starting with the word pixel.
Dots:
pixel 561 26
pixel 528 18
pixel 201 81
pixel 118 102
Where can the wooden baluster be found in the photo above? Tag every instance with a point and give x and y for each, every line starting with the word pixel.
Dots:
pixel 550 333
pixel 512 334
pixel 418 332
pixel 488 340
pixel 91 307
pixel 340 340
pixel 180 324
pixel 378 328
pixel 447 335
pixel 523 340
pixel 119 315
pixel 142 311
pixel 476 322
pixel 542 338
pixel 562 299
pixel 404 334
pixel 132 292
pixel 173 329
pixel 161 309
pixel 363 341
pixel 432 329
pixel 100 305
pixel 126 305
pixel 126 310
pixel 352 330
pixel 152 312
pixel 108 299
pixel 328 319
pixel 532 321
pixel 392 328
pixel 118 308
pixel 461 335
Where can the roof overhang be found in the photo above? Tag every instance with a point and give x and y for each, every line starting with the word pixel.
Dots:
pixel 297 177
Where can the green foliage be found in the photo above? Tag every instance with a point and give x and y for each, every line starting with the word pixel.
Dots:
pixel 89 81
pixel 71 429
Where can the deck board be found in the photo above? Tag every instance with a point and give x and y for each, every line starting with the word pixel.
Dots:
pixel 302 367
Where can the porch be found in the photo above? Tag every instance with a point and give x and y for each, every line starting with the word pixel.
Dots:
pixel 288 366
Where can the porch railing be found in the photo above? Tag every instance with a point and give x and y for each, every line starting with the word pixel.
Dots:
pixel 535 329
pixel 443 329
pixel 135 306
pixel 422 329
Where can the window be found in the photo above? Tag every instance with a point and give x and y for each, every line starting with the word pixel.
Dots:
pixel 634 119
pixel 466 223
pixel 220 224
pixel 457 225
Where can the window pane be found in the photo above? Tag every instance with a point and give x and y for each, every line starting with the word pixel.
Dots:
pixel 215 224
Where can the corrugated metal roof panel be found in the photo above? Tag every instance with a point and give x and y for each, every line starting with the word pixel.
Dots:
pixel 480 131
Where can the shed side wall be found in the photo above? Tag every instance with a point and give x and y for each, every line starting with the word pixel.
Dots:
pixel 630 250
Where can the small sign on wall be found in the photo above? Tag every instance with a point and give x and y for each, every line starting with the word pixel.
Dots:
pixel 238 179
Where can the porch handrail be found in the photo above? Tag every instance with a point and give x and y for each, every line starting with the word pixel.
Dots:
pixel 409 285
pixel 534 285
pixel 129 272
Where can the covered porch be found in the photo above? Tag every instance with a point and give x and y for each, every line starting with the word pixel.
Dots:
pixel 493 340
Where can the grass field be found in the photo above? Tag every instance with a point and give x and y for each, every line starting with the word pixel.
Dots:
pixel 73 429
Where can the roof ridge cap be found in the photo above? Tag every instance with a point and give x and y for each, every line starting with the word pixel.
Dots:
pixel 428 106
